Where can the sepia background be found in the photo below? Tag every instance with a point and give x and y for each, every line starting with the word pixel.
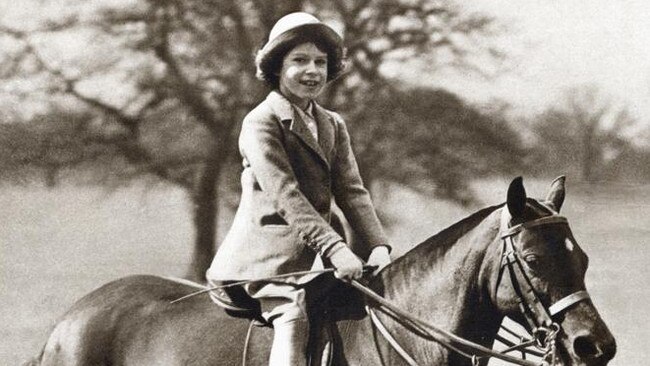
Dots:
pixel 119 122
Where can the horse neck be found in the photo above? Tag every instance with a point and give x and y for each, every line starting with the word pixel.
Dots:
pixel 449 285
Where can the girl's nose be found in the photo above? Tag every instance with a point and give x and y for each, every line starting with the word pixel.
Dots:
pixel 311 67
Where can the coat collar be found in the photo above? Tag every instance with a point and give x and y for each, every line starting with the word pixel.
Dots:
pixel 284 110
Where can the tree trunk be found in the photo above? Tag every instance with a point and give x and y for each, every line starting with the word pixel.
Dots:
pixel 588 153
pixel 205 213
pixel 51 173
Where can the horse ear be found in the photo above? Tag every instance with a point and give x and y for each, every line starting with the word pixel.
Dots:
pixel 556 193
pixel 516 200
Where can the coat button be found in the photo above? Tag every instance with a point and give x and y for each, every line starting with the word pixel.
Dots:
pixel 282 212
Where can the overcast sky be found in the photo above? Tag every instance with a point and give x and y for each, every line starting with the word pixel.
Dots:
pixel 558 44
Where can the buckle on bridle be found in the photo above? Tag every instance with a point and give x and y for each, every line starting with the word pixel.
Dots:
pixel 545 336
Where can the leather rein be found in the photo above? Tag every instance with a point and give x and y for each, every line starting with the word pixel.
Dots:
pixel 539 318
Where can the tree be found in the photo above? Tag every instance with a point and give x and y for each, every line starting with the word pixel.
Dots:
pixel 166 83
pixel 50 144
pixel 584 134
pixel 385 117
pixel 433 141
pixel 189 66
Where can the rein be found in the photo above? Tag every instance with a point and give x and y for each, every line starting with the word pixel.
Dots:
pixel 539 317
pixel 431 332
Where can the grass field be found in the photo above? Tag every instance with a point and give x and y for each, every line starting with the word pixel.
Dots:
pixel 56 245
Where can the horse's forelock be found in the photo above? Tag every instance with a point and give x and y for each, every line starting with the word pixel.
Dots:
pixel 534 210
pixel 539 208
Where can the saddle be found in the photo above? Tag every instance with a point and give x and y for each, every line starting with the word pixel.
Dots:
pixel 338 302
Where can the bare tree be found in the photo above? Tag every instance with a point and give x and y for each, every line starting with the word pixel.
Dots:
pixel 185 79
pixel 583 134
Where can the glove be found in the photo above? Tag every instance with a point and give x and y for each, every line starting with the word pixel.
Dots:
pixel 348 266
pixel 379 257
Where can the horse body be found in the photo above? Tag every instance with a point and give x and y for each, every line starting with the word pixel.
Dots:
pixel 131 322
pixel 454 280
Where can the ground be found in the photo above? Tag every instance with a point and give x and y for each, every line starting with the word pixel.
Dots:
pixel 58 244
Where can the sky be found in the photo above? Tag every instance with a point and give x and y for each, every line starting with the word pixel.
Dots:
pixel 558 44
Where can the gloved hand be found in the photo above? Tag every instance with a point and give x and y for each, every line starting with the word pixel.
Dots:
pixel 348 266
pixel 379 257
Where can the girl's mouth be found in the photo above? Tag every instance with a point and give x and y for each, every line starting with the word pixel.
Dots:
pixel 310 83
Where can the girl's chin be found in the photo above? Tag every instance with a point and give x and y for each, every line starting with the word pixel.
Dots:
pixel 311 89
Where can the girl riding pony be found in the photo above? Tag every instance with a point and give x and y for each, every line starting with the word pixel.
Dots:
pixel 296 157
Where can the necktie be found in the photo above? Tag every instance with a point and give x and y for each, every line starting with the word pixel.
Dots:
pixel 310 120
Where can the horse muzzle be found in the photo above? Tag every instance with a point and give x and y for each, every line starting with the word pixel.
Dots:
pixel 586 340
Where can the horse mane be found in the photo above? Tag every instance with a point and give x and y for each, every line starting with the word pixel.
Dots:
pixel 445 239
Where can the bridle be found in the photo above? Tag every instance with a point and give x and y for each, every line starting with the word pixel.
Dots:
pixel 539 317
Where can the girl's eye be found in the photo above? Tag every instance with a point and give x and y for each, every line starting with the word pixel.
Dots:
pixel 322 62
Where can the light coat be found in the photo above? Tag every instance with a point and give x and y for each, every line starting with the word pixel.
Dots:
pixel 288 182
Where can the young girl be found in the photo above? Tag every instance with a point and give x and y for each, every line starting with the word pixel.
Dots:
pixel 296 157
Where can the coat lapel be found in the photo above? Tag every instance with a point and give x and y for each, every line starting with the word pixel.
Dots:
pixel 282 107
pixel 326 132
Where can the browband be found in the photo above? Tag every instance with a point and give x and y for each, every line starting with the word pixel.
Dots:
pixel 546 220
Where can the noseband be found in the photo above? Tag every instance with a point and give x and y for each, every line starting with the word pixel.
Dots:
pixel 538 316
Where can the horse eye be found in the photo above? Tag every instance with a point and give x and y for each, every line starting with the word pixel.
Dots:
pixel 531 259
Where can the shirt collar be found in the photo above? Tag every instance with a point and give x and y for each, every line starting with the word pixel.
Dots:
pixel 284 108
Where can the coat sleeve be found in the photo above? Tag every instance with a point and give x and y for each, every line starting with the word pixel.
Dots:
pixel 351 195
pixel 262 147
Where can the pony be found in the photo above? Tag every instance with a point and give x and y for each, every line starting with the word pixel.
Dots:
pixel 517 260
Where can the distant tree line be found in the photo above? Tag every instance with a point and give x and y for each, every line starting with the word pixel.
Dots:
pixel 587 136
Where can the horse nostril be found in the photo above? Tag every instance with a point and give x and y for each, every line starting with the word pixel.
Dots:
pixel 585 348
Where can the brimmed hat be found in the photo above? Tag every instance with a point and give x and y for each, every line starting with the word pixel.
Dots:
pixel 292 30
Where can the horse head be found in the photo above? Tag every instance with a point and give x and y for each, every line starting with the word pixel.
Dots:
pixel 541 280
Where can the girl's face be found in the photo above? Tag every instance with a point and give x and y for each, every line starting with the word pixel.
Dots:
pixel 304 74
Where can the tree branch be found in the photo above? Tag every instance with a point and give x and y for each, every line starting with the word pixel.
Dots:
pixel 186 91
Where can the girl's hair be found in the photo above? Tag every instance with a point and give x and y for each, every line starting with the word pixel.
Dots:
pixel 269 59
